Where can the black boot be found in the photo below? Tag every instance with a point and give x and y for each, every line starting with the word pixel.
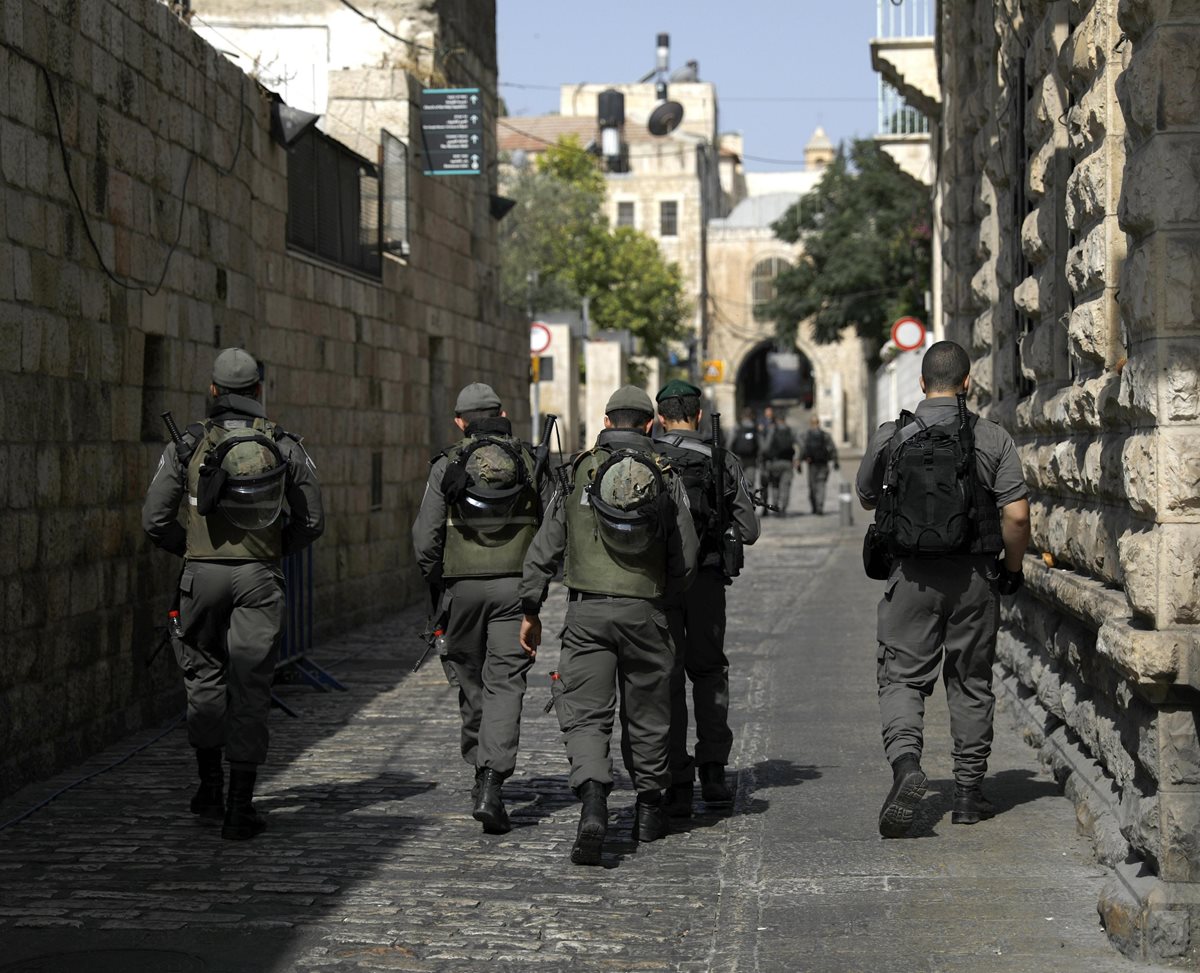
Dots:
pixel 679 799
pixel 650 821
pixel 209 799
pixel 242 821
pixel 908 787
pixel 713 788
pixel 593 824
pixel 477 786
pixel 970 806
pixel 489 808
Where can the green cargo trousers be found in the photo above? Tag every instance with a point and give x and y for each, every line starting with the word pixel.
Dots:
pixel 232 618
pixel 818 477
pixel 608 642
pixel 698 631
pixel 483 630
pixel 777 482
pixel 939 612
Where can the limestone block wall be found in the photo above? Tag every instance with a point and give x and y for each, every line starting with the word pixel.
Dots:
pixel 169 150
pixel 1068 181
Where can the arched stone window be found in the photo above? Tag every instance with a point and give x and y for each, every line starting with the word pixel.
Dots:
pixel 762 280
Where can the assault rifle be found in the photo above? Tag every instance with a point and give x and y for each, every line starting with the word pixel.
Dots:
pixel 730 541
pixel 759 499
pixel 541 453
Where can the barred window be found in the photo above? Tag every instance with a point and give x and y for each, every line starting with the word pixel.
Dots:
pixel 625 213
pixel 668 218
pixel 762 280
pixel 333 203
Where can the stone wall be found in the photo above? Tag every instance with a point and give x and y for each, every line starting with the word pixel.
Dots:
pixel 164 137
pixel 1068 178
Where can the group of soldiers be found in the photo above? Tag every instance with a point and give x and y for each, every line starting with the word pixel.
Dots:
pixel 769 446
pixel 651 531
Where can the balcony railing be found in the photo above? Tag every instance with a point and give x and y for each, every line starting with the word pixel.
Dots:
pixel 897 116
pixel 904 18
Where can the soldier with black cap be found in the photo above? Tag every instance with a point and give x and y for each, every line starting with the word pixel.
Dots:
pixel 233 473
pixel 697 616
pixel 630 546
pixel 479 513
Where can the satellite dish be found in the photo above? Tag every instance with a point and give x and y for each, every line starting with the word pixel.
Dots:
pixel 665 118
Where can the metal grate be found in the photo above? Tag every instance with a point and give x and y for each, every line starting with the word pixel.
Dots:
pixel 394 202
pixel 333 203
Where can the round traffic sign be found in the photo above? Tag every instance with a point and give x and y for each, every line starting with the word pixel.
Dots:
pixel 539 338
pixel 908 334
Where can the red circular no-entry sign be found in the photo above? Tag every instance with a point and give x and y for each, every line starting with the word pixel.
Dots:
pixel 908 334
pixel 539 338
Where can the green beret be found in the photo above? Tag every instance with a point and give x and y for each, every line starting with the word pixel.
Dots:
pixel 235 369
pixel 677 388
pixel 476 396
pixel 629 397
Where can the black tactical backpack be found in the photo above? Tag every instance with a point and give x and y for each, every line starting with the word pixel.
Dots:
pixel 745 442
pixel 928 502
pixel 816 446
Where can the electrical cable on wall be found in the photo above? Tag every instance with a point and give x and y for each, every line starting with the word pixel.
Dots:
pixel 87 227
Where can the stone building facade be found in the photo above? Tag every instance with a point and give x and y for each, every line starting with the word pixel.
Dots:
pixel 176 178
pixel 1069 200
pixel 688 191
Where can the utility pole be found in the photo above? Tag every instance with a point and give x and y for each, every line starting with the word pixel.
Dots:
pixel 535 361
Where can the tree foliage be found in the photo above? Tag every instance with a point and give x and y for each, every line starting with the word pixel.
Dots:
pixel 557 248
pixel 866 261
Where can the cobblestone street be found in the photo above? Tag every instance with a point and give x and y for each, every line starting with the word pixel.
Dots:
pixel 372 861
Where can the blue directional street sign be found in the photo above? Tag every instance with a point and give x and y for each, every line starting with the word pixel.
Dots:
pixel 452 131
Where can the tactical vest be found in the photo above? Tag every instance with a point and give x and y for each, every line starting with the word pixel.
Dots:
pixel 591 566
pixel 692 460
pixel 932 502
pixel 780 443
pixel 502 554
pixel 214 538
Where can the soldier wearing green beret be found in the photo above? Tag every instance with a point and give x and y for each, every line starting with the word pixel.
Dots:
pixel 630 546
pixel 479 513
pixel 236 469
pixel 697 616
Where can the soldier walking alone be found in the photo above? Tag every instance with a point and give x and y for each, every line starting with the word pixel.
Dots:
pixel 235 469
pixel 480 511
pixel 630 546
pixel 949 496
pixel 697 616
pixel 818 451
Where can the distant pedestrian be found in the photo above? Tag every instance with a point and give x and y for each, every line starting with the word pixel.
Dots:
pixel 745 443
pixel 779 459
pixel 950 502
pixel 818 451
pixel 481 507
pixel 623 524
pixel 725 520
pixel 232 476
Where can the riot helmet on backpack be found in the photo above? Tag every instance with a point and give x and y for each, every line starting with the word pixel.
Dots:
pixel 626 497
pixel 242 476
pixel 484 485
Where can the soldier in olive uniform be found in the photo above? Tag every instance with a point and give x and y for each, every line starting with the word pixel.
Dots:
pixel 779 458
pixel 232 474
pixel 818 451
pixel 942 612
pixel 698 615
pixel 630 547
pixel 479 513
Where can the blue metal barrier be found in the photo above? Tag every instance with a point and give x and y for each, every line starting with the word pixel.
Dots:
pixel 298 627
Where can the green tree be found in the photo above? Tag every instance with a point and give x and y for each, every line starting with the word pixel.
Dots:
pixel 556 248
pixel 866 261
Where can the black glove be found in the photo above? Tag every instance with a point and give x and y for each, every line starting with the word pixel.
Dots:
pixel 837 465
pixel 1009 581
